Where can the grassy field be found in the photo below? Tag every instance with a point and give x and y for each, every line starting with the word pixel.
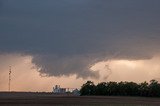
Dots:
pixel 49 99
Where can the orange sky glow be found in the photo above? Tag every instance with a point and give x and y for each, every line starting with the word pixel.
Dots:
pixel 25 76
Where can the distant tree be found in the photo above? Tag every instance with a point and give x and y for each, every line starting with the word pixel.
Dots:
pixel 144 89
pixel 121 89
pixel 101 88
pixel 131 88
pixel 154 88
pixel 112 88
pixel 88 88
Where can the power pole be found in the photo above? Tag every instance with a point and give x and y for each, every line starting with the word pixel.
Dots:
pixel 9 84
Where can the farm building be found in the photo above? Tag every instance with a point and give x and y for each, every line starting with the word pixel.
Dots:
pixel 58 89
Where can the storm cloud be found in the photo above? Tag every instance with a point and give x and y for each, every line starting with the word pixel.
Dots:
pixel 67 37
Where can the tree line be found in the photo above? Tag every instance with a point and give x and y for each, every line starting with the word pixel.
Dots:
pixel 111 88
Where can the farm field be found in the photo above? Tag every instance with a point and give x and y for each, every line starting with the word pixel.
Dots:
pixel 49 99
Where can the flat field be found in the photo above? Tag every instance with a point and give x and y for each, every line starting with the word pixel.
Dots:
pixel 49 99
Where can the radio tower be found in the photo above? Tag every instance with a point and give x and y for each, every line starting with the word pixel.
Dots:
pixel 9 84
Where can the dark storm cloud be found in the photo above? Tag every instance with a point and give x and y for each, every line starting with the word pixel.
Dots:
pixel 66 36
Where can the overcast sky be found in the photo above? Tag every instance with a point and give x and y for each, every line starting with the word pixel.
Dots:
pixel 68 37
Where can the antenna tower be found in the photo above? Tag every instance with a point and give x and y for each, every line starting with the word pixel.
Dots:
pixel 9 84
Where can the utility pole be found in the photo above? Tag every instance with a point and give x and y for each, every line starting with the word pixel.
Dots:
pixel 9 84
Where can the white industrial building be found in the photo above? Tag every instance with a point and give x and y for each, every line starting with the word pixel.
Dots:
pixel 58 89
